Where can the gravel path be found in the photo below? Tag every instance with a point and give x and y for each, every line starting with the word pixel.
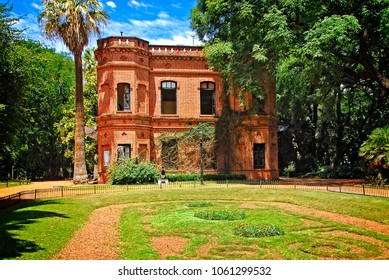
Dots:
pixel 98 239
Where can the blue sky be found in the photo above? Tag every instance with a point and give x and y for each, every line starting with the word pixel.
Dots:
pixel 157 21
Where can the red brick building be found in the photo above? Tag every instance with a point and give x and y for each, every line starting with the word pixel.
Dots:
pixel 146 90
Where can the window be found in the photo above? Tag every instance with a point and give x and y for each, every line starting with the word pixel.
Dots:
pixel 259 156
pixel 124 151
pixel 168 97
pixel 170 154
pixel 207 98
pixel 106 157
pixel 123 97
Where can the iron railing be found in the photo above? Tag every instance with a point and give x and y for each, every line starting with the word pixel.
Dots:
pixel 60 191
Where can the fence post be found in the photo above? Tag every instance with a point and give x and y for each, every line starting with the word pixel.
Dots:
pixel 62 191
pixel 94 189
pixel 363 189
pixel 226 183
pixel 294 183
pixel 260 184
pixel 340 187
pixel 35 194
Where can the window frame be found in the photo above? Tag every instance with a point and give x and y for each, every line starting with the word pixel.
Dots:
pixel 126 153
pixel 123 97
pixel 207 90
pixel 168 87
pixel 259 155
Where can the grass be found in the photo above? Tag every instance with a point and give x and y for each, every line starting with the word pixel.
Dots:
pixel 41 229
pixel 224 214
pixel 10 184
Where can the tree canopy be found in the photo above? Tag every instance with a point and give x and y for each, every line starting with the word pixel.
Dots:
pixel 330 59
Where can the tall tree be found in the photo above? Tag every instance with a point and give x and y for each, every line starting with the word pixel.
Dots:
pixel 11 77
pixel 74 21
pixel 48 87
pixel 325 55
pixel 65 125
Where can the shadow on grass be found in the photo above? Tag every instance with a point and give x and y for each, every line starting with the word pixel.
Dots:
pixel 15 219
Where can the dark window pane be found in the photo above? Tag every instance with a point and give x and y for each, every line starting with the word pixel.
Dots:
pixel 259 156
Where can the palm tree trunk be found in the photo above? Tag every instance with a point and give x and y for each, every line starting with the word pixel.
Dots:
pixel 80 173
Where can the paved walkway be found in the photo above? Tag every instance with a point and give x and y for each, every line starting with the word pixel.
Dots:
pixel 33 186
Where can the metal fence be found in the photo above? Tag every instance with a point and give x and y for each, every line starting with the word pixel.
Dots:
pixel 60 191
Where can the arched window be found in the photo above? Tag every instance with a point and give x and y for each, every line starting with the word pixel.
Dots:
pixel 207 98
pixel 168 97
pixel 123 97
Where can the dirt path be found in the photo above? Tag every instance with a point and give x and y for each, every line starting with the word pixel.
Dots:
pixel 358 222
pixel 34 185
pixel 99 238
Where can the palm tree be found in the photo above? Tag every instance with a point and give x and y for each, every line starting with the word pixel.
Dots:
pixel 375 151
pixel 74 21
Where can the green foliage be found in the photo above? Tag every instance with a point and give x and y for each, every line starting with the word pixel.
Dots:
pixel 200 204
pixel 225 215
pixel 330 60
pixel 207 177
pixel 182 177
pixel 375 152
pixel 190 141
pixel 243 230
pixel 41 82
pixel 129 171
pixel 223 177
pixel 337 172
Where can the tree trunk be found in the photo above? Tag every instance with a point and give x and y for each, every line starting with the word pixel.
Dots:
pixel 80 174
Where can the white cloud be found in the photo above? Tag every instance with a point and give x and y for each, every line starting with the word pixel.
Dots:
pixel 163 15
pixel 136 4
pixel 160 31
pixel 36 6
pixel 111 4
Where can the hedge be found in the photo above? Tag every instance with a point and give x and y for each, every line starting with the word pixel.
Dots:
pixel 206 177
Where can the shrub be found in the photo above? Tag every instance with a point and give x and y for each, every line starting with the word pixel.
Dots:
pixel 223 177
pixel 182 177
pixel 258 231
pixel 128 171
pixel 206 177
pixel 200 204
pixel 220 215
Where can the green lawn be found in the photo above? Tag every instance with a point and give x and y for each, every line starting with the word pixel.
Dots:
pixel 10 184
pixel 39 230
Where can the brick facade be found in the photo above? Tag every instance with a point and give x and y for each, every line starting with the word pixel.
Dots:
pixel 145 90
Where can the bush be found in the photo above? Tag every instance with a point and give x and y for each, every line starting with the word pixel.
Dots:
pixel 200 204
pixel 182 177
pixel 223 177
pixel 258 231
pixel 206 177
pixel 220 215
pixel 126 172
